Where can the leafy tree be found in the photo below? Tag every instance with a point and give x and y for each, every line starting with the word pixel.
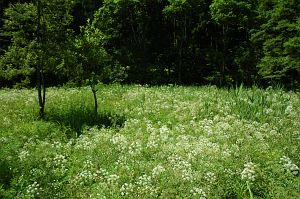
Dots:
pixel 4 39
pixel 178 12
pixel 84 10
pixel 94 64
pixel 19 59
pixel 92 57
pixel 234 18
pixel 277 40
pixel 135 36
pixel 39 33
pixel 175 41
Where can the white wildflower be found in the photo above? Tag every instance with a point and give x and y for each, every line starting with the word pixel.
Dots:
pixel 210 177
pixel 144 185
pixel 289 109
pixel 127 189
pixel 33 190
pixel 135 148
pixel 182 166
pixel 289 165
pixel 23 155
pixel 157 170
pixel 112 179
pixel 249 171
pixel 198 192
pixel 120 141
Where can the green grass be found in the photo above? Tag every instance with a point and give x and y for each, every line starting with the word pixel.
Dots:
pixel 151 142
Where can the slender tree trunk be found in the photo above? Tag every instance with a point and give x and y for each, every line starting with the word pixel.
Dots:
pixel 174 33
pixel 223 57
pixel 41 104
pixel 132 29
pixel 94 91
pixel 180 66
pixel 41 89
pixel 95 102
pixel 43 84
pixel 40 75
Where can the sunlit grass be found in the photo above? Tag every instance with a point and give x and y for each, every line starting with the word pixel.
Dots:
pixel 151 142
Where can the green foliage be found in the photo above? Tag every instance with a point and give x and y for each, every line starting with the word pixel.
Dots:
pixel 177 6
pixel 233 11
pixel 124 25
pixel 176 41
pixel 90 52
pixel 20 59
pixel 278 40
pixel 89 59
pixel 234 20
pixel 20 23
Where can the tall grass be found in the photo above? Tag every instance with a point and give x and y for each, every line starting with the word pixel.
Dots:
pixel 151 142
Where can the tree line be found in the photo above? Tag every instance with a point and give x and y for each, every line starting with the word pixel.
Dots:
pixel 220 42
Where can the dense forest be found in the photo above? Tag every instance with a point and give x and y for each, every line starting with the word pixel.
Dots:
pixel 250 42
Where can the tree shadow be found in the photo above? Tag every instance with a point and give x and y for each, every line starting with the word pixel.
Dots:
pixel 77 119
pixel 6 174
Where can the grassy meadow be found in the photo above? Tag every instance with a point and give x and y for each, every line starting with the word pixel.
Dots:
pixel 151 142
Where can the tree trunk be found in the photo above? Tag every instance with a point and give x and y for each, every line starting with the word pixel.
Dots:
pixel 41 90
pixel 95 99
pixel 223 56
pixel 95 102
pixel 40 75
pixel 180 66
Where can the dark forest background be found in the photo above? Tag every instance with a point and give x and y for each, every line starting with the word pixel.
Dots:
pixel 225 43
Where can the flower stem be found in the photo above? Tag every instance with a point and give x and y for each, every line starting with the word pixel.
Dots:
pixel 249 189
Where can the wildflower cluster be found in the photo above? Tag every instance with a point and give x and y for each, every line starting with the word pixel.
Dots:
pixel 210 177
pixel 158 170
pixel 289 165
pixel 127 189
pixel 144 186
pixel 23 154
pixel 33 190
pixel 120 141
pixel 86 175
pixel 182 167
pixel 198 193
pixel 249 172
pixel 60 162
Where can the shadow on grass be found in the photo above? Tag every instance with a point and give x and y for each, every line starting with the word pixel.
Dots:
pixel 5 174
pixel 77 119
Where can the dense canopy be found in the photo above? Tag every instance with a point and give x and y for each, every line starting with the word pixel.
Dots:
pixel 155 42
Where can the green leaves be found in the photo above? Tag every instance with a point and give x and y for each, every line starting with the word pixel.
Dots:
pixel 189 41
pixel 90 51
pixel 176 6
pixel 232 11
pixel 20 23
pixel 278 37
